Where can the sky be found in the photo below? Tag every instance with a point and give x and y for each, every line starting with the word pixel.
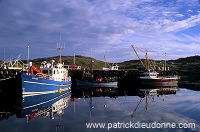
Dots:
pixel 100 27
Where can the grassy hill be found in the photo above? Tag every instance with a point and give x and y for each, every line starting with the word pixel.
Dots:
pixel 84 62
pixel 191 59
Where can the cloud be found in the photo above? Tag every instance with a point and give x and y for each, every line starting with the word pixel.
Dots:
pixel 98 25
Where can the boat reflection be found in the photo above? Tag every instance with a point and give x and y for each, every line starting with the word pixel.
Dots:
pixel 152 85
pixel 13 103
pixel 149 96
pixel 38 106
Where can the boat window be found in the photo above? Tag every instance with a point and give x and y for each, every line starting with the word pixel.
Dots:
pixel 45 71
pixel 54 71
pixel 50 71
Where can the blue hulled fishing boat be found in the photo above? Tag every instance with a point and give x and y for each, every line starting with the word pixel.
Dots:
pixel 49 79
pixel 90 79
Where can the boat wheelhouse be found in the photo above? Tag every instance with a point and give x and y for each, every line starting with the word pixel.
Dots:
pixel 54 72
pixel 150 74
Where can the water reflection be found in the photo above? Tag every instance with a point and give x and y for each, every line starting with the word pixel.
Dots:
pixel 71 111
pixel 149 96
pixel 31 106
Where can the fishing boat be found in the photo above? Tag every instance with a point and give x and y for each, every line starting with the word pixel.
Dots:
pixel 50 79
pixel 151 77
pixel 9 69
pixel 109 67
pixel 90 79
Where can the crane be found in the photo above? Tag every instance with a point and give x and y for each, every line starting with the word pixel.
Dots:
pixel 146 64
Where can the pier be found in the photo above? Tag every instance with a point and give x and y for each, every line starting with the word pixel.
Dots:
pixel 7 73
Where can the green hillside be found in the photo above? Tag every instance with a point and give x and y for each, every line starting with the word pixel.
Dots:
pixel 84 62
pixel 191 59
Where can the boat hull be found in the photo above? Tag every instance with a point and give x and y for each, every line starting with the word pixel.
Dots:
pixel 32 85
pixel 159 82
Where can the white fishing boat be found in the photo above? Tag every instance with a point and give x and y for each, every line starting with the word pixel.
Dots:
pixel 151 77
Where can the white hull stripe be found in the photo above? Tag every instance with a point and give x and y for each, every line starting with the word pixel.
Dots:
pixel 26 94
pixel 46 83
pixel 43 102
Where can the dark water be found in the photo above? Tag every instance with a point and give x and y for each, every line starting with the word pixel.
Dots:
pixel 116 107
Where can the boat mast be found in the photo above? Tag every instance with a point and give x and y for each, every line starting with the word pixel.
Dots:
pixel 147 63
pixel 28 56
pixel 60 46
pixel 74 57
pixel 28 63
pixel 165 67
pixel 105 59
pixel 4 54
pixel 59 126
pixel 91 65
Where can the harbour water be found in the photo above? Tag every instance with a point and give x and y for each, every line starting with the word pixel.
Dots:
pixel 112 109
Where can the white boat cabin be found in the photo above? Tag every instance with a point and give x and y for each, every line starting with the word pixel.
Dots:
pixel 111 67
pixel 55 72
pixel 150 74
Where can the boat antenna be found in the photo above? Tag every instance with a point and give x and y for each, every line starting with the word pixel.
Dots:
pixel 105 60
pixel 59 126
pixel 60 46
pixel 91 65
pixel 74 57
pixel 28 56
pixel 4 54
pixel 165 68
pixel 147 63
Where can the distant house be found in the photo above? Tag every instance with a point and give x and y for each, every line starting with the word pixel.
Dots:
pixel 170 62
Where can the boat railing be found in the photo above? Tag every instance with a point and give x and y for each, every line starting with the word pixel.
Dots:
pixel 40 75
pixel 68 78
pixel 72 67
pixel 14 63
